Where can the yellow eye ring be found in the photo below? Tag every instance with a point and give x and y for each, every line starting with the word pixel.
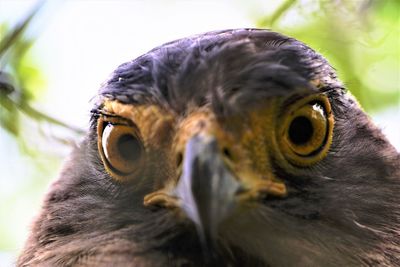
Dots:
pixel 306 133
pixel 120 148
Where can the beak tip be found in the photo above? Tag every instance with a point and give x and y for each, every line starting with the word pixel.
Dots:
pixel 207 188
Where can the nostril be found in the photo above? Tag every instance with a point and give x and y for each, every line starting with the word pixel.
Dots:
pixel 179 158
pixel 241 190
pixel 227 153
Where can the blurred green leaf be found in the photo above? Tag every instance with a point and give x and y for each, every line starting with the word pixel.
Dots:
pixel 361 39
pixel 9 116
pixel 22 82
pixel 280 11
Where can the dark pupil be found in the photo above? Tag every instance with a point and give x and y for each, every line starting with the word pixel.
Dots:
pixel 300 130
pixel 129 147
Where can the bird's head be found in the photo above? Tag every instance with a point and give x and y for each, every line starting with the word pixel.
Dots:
pixel 239 147
pixel 209 166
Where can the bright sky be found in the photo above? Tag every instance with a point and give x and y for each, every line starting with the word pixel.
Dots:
pixel 81 42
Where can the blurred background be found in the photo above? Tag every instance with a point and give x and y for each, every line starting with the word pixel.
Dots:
pixel 55 54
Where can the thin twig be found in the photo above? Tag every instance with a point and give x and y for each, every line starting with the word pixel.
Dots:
pixel 38 115
pixel 279 12
pixel 14 35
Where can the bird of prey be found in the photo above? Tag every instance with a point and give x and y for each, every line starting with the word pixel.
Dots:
pixel 228 148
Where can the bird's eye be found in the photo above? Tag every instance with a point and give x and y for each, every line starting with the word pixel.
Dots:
pixel 120 149
pixel 306 132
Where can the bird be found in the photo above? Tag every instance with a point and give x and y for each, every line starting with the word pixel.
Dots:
pixel 236 147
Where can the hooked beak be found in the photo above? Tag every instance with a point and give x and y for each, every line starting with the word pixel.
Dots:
pixel 207 188
pixel 208 191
